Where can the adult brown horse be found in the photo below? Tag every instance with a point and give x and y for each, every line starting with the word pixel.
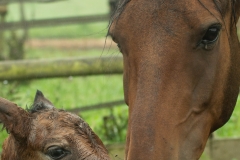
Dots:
pixel 181 73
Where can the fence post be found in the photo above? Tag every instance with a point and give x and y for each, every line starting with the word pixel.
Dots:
pixel 3 12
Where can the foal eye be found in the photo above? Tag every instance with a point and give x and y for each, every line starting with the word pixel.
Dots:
pixel 56 153
pixel 211 34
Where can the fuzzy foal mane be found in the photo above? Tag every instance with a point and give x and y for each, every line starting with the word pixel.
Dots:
pixel 84 128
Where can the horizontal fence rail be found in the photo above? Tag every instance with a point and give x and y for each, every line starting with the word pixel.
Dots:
pixel 32 1
pixel 54 22
pixel 36 69
pixel 108 105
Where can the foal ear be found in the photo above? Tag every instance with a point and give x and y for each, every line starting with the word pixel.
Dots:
pixel 40 102
pixel 14 118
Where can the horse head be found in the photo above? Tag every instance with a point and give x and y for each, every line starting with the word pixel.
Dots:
pixel 181 73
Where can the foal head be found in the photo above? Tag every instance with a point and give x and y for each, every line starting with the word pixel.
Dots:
pixel 181 73
pixel 46 133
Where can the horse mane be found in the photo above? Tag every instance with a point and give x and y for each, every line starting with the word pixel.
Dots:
pixel 233 17
pixel 234 12
pixel 95 141
pixel 84 128
pixel 37 107
pixel 119 9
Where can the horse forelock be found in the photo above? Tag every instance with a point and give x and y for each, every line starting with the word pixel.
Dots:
pixel 219 5
pixel 235 11
pixel 222 7
pixel 119 9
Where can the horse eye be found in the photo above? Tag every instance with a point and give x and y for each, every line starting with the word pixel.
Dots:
pixel 211 35
pixel 56 153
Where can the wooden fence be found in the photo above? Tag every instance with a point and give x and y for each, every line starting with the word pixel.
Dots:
pixel 37 69
pixel 23 24
pixel 54 22
pixel 39 1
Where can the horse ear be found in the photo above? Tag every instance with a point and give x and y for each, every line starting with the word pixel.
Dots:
pixel 40 102
pixel 14 118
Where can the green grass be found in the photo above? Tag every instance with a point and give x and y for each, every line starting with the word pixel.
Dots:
pixel 56 53
pixel 72 92
pixel 35 11
pixel 68 8
pixel 93 30
pixel 232 127
pixel 66 93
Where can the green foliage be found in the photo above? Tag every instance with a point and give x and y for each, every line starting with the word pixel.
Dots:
pixel 232 127
pixel 93 30
pixel 72 92
pixel 113 125
pixel 68 8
